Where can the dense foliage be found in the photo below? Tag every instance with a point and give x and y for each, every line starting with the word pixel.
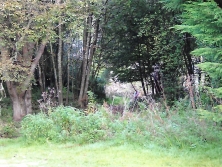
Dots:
pixel 202 19
pixel 139 40
pixel 183 130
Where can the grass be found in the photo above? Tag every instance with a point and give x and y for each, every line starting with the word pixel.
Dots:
pixel 15 153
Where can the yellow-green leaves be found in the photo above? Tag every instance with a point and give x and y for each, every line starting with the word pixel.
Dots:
pixel 22 25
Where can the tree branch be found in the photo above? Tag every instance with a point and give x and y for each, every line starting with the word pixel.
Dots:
pixel 34 64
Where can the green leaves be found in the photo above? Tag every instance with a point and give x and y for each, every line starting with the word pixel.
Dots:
pixel 23 24
pixel 64 124
pixel 17 16
pixel 203 21
pixel 209 115
pixel 213 69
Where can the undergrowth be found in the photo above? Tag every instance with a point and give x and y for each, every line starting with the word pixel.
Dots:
pixel 181 129
pixel 63 124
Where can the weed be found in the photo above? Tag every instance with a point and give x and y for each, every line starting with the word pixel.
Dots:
pixel 48 101
pixel 8 131
pixel 91 106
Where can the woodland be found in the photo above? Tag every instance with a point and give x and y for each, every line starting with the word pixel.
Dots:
pixel 59 57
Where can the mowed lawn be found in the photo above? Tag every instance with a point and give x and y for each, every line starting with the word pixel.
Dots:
pixel 14 153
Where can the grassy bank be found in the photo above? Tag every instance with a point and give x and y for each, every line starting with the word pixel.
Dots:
pixel 15 153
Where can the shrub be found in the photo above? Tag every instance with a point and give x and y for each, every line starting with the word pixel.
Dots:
pixel 63 117
pixel 187 130
pixel 183 129
pixel 65 123
pixel 90 128
pixel 130 131
pixel 64 120
pixel 37 128
pixel 6 111
pixel 136 132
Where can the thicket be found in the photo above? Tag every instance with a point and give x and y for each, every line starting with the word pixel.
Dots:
pixel 183 129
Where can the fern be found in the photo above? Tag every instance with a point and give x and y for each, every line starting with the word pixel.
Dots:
pixel 173 4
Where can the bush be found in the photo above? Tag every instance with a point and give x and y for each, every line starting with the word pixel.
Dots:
pixel 6 114
pixel 183 129
pixel 130 130
pixel 90 128
pixel 187 130
pixel 6 111
pixel 37 128
pixel 63 120
pixel 73 124
pixel 65 123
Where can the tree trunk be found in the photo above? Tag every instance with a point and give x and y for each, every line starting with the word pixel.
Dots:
pixel 21 100
pixel 40 78
pixel 186 53
pixel 34 64
pixel 142 79
pixel 60 66
pixel 191 93
pixel 60 85
pixel 152 86
pixel 68 76
pixel 86 45
pixel 54 68
pixel 91 55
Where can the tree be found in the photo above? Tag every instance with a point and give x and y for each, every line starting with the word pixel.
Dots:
pixel 202 19
pixel 137 37
pixel 90 38
pixel 208 34
pixel 26 26
pixel 60 85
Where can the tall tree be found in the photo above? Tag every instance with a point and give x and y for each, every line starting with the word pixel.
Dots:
pixel 25 30
pixel 90 37
pixel 60 85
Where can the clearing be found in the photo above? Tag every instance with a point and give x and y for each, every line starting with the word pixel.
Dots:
pixel 14 153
